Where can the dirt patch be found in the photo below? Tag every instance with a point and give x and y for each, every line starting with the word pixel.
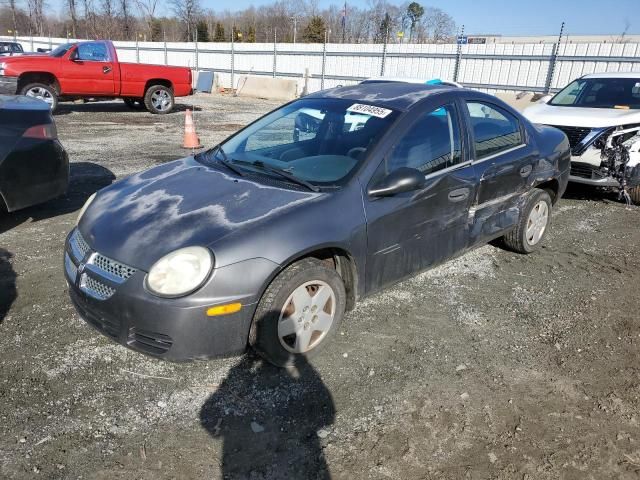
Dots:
pixel 494 365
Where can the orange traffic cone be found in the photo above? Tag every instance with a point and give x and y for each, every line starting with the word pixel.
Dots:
pixel 191 140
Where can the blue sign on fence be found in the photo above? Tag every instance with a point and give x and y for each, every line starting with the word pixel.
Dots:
pixel 462 39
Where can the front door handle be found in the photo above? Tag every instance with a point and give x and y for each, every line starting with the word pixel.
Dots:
pixel 526 170
pixel 459 194
pixel 106 69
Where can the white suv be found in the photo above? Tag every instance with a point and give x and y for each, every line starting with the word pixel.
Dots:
pixel 600 114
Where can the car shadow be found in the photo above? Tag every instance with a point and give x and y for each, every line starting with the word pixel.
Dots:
pixel 85 178
pixel 110 106
pixel 270 421
pixel 8 292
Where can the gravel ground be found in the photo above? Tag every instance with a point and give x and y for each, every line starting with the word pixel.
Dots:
pixel 494 365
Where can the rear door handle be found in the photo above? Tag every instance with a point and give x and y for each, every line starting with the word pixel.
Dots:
pixel 459 194
pixel 526 170
pixel 106 69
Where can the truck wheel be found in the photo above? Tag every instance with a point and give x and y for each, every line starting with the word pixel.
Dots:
pixel 299 313
pixel 533 225
pixel 42 91
pixel 159 99
pixel 134 103
pixel 634 193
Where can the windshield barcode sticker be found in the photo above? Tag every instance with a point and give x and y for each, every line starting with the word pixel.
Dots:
pixel 369 110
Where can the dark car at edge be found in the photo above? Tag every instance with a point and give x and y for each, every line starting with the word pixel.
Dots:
pixel 267 239
pixel 34 166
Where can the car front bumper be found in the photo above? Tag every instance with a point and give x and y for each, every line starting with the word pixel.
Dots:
pixel 172 329
pixel 8 85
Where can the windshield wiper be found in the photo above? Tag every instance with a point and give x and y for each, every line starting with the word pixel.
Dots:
pixel 224 161
pixel 281 172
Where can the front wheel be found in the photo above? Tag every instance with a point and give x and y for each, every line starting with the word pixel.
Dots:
pixel 299 313
pixel 533 225
pixel 43 92
pixel 159 99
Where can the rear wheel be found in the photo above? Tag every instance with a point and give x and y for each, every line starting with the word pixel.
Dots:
pixel 299 313
pixel 533 225
pixel 42 91
pixel 159 99
pixel 134 103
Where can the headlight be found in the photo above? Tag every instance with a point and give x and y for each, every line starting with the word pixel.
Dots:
pixel 84 207
pixel 3 65
pixel 180 272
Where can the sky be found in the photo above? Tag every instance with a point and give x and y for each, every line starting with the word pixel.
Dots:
pixel 533 17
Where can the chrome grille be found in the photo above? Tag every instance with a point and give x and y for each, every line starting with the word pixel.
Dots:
pixel 79 246
pixel 95 288
pixel 100 276
pixel 112 267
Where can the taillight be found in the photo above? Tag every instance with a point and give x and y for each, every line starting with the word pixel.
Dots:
pixel 43 132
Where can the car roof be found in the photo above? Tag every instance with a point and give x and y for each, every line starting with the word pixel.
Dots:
pixel 613 75
pixel 395 95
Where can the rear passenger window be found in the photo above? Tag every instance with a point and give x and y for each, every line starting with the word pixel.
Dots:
pixel 431 144
pixel 494 129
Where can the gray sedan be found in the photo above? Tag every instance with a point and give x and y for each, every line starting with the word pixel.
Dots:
pixel 268 238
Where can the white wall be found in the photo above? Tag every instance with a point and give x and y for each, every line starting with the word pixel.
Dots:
pixel 491 67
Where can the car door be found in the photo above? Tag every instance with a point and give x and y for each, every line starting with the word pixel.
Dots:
pixel 88 70
pixel 411 231
pixel 503 160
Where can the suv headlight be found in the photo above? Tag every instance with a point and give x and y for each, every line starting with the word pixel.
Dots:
pixel 180 272
pixel 84 207
pixel 3 65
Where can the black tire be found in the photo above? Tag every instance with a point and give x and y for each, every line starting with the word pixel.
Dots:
pixel 134 103
pixel 49 89
pixel 634 193
pixel 162 90
pixel 264 336
pixel 516 240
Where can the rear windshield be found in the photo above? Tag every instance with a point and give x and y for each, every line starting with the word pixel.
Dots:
pixel 621 93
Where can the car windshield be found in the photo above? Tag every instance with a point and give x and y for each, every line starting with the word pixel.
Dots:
pixel 621 93
pixel 61 50
pixel 318 142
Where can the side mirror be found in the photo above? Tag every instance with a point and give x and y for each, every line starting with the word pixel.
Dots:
pixel 401 180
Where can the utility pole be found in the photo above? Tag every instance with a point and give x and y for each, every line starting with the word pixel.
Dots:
pixel 295 27
pixel 344 22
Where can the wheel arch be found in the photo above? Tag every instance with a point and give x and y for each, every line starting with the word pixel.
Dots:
pixel 158 81
pixel 335 257
pixel 38 77
pixel 552 187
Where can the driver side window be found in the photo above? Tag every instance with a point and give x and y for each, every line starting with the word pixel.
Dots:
pixel 92 52
pixel 431 144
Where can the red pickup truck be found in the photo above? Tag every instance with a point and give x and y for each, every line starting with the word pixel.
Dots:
pixel 92 70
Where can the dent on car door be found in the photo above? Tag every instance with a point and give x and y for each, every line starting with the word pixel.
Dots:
pixel 408 232
pixel 504 160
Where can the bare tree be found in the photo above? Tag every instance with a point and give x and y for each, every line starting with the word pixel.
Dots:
pixel 148 10
pixel 71 4
pixel 188 12
pixel 125 11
